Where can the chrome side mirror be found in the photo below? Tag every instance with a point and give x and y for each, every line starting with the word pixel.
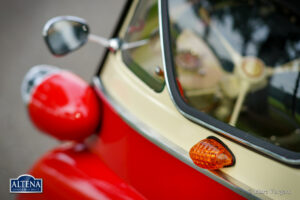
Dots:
pixel 65 34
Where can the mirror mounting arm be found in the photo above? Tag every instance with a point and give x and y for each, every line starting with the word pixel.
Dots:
pixel 115 44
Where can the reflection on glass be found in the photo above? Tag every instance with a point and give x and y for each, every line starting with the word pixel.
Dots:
pixel 239 61
pixel 145 60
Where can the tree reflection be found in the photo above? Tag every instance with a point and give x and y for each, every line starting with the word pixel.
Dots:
pixel 258 28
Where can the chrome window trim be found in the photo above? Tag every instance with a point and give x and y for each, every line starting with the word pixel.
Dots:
pixel 172 148
pixel 290 161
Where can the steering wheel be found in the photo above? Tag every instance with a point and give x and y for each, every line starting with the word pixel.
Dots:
pixel 249 74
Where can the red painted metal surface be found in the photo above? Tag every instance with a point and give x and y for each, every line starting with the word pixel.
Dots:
pixel 152 171
pixel 65 107
pixel 119 160
pixel 73 172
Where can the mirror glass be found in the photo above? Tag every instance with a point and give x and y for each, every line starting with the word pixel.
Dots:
pixel 65 35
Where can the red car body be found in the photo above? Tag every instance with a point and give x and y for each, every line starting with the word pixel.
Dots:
pixel 110 154
pixel 120 164
pixel 117 163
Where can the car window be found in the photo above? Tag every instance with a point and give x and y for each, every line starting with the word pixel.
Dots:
pixel 239 62
pixel 145 61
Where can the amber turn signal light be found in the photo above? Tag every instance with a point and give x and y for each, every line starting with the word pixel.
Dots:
pixel 211 153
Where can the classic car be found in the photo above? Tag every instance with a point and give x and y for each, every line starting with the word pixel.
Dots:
pixel 193 99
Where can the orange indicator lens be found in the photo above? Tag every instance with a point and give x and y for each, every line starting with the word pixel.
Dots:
pixel 211 153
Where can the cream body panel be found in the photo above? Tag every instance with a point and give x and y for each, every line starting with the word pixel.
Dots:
pixel 156 110
pixel 263 176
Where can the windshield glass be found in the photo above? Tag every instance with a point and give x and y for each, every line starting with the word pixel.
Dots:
pixel 145 61
pixel 238 61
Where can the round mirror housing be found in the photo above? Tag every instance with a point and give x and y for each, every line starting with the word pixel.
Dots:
pixel 64 34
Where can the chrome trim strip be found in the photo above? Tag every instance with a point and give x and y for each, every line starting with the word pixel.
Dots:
pixel 170 147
